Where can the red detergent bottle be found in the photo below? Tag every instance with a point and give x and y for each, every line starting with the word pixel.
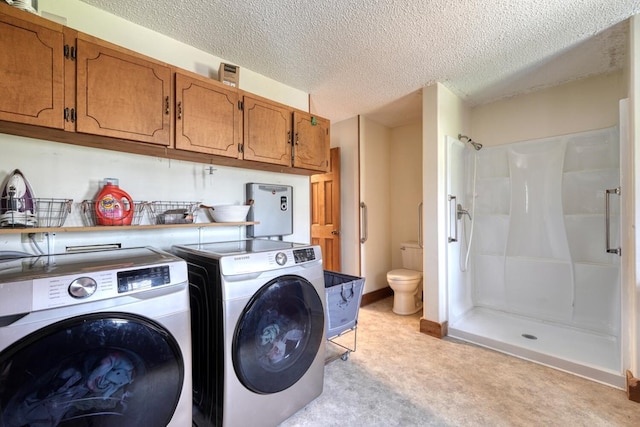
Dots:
pixel 113 206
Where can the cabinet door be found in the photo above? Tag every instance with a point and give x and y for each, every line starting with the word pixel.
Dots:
pixel 207 117
pixel 311 149
pixel 267 132
pixel 31 70
pixel 121 94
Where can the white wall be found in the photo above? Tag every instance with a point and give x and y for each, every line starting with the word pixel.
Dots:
pixel 585 104
pixel 405 186
pixel 443 114
pixel 57 170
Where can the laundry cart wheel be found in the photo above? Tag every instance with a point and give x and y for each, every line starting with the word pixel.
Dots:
pixel 345 355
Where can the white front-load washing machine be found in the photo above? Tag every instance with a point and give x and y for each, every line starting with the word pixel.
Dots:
pixel 257 311
pixel 95 339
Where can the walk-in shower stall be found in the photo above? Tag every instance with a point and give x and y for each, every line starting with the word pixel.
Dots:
pixel 533 253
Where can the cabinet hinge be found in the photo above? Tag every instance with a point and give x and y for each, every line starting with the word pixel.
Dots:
pixel 240 105
pixel 69 52
pixel 70 115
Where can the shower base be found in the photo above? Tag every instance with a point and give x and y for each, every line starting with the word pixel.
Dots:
pixel 592 356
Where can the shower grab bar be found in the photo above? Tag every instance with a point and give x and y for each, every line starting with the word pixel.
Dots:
pixel 365 223
pixel 607 222
pixel 420 243
pixel 453 214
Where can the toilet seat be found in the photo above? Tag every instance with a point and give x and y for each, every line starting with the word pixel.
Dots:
pixel 402 274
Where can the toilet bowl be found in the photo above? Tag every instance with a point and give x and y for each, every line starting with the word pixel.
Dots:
pixel 405 282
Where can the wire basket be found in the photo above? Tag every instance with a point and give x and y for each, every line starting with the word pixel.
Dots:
pixel 165 212
pixel 52 212
pixel 27 212
pixel 88 208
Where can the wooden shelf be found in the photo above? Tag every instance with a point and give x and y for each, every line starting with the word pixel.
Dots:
pixel 120 227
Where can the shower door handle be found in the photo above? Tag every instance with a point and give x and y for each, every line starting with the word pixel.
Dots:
pixel 607 222
pixel 453 213
pixel 364 234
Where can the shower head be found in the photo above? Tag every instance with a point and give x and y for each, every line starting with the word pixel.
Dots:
pixel 468 140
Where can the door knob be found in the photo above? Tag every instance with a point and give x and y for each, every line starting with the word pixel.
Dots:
pixel 335 232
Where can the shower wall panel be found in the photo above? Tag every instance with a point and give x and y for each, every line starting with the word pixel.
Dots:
pixel 539 246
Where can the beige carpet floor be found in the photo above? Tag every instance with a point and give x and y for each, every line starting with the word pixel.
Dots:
pixel 400 377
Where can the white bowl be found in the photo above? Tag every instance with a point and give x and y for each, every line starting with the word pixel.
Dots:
pixel 229 213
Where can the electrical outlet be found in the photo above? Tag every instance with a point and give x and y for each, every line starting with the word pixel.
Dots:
pixel 38 237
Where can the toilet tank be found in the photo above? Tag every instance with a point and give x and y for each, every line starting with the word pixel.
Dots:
pixel 411 256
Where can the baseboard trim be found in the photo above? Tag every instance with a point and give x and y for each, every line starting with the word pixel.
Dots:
pixel 434 329
pixel 633 387
pixel 377 295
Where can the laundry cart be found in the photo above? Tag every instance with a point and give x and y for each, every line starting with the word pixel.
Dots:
pixel 343 297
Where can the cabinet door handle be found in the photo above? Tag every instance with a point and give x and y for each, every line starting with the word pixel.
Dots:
pixel 179 110
pixel 166 106
pixel 289 137
pixel 297 138
pixel 607 222
pixel 453 217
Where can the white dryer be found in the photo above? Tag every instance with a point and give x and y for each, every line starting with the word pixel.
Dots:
pixel 99 338
pixel 258 330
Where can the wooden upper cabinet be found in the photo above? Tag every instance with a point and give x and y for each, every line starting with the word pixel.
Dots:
pixel 267 131
pixel 311 143
pixel 122 94
pixel 31 69
pixel 208 118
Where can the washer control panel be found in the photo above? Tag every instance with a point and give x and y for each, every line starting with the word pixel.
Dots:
pixel 59 291
pixel 304 255
pixel 131 280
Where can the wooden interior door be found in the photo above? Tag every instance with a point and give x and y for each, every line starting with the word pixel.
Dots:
pixel 325 213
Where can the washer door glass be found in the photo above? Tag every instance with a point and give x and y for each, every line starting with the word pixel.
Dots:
pixel 103 369
pixel 278 335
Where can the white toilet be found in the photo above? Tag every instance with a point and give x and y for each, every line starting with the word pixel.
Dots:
pixel 407 281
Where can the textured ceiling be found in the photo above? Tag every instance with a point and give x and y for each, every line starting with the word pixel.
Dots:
pixel 371 57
